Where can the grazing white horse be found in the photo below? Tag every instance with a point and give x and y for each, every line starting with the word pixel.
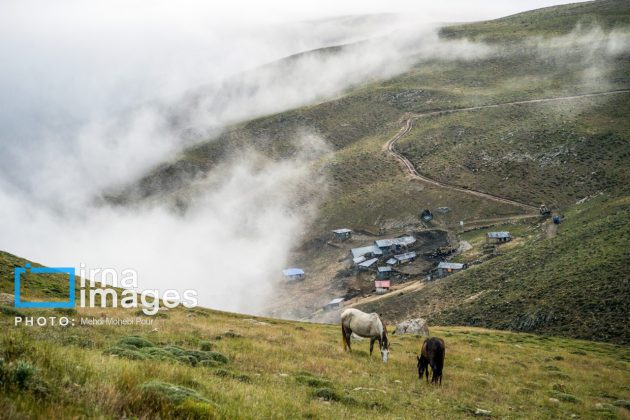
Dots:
pixel 364 325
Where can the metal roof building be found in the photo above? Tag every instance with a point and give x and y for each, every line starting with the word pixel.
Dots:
pixel 499 235
pixel 450 266
pixel 344 230
pixel 293 272
pixel 406 256
pixel 368 263
pixel 370 249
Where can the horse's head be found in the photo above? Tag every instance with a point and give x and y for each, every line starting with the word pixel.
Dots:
pixel 384 348
pixel 422 366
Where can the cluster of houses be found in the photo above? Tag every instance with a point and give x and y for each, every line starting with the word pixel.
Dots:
pixel 393 252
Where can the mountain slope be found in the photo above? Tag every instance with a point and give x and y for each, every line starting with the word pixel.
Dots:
pixel 575 284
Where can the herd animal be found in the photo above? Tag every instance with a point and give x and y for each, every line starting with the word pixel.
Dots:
pixel 371 326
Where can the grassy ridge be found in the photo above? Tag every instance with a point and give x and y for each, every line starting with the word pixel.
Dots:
pixel 280 368
pixel 548 21
pixel 575 284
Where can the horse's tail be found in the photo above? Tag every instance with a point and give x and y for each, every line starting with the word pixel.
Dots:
pixel 344 336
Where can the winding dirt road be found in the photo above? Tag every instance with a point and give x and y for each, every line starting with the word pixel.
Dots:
pixel 407 124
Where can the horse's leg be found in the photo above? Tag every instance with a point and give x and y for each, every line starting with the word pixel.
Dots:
pixel 372 345
pixel 348 336
pixel 343 337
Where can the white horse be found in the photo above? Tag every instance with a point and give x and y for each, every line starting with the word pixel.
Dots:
pixel 364 325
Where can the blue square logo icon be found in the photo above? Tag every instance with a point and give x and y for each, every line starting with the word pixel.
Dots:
pixel 70 303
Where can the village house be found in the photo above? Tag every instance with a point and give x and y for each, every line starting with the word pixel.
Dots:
pixel 382 286
pixel 498 237
pixel 406 257
pixel 365 265
pixel 369 251
pixel 446 268
pixel 334 304
pixel 392 261
pixel 342 234
pixel 383 273
pixel 396 244
pixel 293 274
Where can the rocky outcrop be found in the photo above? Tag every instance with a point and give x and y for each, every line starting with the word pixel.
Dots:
pixel 413 326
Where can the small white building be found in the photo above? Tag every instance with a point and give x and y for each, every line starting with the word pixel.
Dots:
pixel 293 274
pixel 342 234
pixel 334 304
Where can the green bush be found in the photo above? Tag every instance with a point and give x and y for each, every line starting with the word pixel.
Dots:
pixel 135 341
pixel 193 410
pixel 327 394
pixel 137 348
pixel 622 403
pixel 170 393
pixel 307 378
pixel 205 346
pixel 22 374
pixel 565 397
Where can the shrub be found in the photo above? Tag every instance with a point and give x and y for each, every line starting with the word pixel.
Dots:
pixel 7 310
pixel 194 410
pixel 565 397
pixel 135 341
pixel 22 374
pixel 327 394
pixel 622 403
pixel 311 380
pixel 170 393
pixel 125 353
pixel 205 346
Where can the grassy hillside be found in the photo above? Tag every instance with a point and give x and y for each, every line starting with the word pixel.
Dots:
pixel 536 153
pixel 548 21
pixel 205 364
pixel 366 182
pixel 574 284
pixel 554 153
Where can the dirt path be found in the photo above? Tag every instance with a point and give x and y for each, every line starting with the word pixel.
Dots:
pixel 404 288
pixel 407 124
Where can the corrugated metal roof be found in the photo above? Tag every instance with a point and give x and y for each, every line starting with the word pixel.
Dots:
pixel 391 261
pixel 368 262
pixel 358 260
pixel 499 235
pixel 335 301
pixel 384 269
pixel 404 240
pixel 450 265
pixel 359 252
pixel 405 256
pixel 293 272
pixel 344 230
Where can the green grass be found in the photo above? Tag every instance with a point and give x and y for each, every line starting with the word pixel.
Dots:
pixel 285 368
